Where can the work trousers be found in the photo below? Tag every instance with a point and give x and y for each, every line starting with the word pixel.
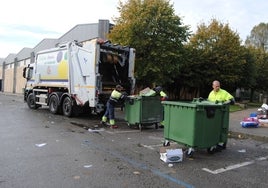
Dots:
pixel 109 111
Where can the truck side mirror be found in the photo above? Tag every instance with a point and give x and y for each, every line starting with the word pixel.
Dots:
pixel 27 73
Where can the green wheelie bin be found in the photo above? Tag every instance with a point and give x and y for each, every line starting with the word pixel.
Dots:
pixel 196 124
pixel 143 111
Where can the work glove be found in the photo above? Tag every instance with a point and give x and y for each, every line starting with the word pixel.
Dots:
pixel 227 102
pixel 217 102
pixel 231 101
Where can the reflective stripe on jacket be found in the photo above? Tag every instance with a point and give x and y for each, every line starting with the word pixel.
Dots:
pixel 115 96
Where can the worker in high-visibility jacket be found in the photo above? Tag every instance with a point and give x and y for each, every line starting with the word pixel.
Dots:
pixel 163 97
pixel 159 90
pixel 115 97
pixel 220 95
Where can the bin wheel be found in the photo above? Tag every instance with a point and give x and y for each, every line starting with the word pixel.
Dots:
pixel 222 145
pixel 212 149
pixel 156 126
pixel 190 153
pixel 166 143
pixel 140 126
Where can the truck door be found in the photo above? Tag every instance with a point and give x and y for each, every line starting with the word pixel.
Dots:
pixel 82 74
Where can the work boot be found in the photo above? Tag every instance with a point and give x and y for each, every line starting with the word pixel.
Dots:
pixel 104 120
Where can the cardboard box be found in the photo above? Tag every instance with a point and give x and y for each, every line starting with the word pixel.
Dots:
pixel 171 155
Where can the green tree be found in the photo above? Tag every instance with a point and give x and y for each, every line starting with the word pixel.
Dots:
pixel 258 36
pixel 219 55
pixel 157 34
pixel 248 74
pixel 261 63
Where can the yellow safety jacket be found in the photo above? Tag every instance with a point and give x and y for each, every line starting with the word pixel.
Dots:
pixel 163 95
pixel 115 96
pixel 220 96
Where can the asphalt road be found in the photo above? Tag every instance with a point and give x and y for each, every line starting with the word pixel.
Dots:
pixel 39 149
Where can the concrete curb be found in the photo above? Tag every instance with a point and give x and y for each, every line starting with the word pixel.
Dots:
pixel 239 135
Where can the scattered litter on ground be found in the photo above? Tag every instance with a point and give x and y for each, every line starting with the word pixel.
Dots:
pixel 242 151
pixel 41 145
pixel 96 130
pixel 87 166
pixel 169 154
pixel 256 119
pixel 170 165
pixel 136 173
pixel 76 177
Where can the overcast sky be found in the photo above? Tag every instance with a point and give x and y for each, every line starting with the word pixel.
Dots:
pixel 24 23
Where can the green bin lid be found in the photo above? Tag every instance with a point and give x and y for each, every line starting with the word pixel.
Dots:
pixel 192 104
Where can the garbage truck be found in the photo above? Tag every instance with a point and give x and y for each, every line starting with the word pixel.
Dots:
pixel 75 78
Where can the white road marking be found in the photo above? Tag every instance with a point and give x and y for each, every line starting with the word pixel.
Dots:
pixel 231 167
pixel 220 170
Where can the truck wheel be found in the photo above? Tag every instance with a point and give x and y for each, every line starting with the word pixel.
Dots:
pixel 31 101
pixel 54 104
pixel 67 107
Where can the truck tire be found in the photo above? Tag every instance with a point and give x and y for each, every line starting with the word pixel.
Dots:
pixel 54 104
pixel 67 107
pixel 31 101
